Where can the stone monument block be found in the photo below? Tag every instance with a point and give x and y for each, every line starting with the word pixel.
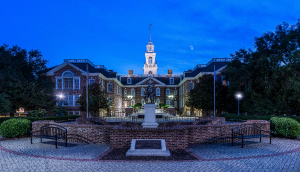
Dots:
pixel 148 147
pixel 150 118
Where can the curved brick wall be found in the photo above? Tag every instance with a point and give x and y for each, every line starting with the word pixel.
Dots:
pixel 177 137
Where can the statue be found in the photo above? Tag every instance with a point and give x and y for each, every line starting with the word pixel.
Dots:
pixel 149 93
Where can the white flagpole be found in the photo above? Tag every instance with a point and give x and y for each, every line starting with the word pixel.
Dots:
pixel 214 91
pixel 87 91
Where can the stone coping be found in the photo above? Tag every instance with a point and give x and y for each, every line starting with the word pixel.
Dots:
pixel 177 127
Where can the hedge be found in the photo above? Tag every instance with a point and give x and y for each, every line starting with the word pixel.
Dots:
pixel 32 119
pixel 252 117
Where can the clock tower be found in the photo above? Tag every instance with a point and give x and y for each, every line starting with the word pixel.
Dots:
pixel 150 66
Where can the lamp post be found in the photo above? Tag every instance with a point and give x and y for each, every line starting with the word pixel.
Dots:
pixel 239 96
pixel 171 97
pixel 60 99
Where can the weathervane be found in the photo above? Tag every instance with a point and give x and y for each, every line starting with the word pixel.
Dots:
pixel 150 30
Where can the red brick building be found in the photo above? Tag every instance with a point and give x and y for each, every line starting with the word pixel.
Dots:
pixel 125 90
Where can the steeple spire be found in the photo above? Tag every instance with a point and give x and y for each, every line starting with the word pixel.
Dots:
pixel 150 31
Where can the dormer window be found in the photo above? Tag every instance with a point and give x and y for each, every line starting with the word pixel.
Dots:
pixel 171 80
pixel 128 80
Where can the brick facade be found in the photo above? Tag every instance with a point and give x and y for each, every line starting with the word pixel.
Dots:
pixel 119 101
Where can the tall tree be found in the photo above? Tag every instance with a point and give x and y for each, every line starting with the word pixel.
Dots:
pixel 269 74
pixel 21 78
pixel 202 96
pixel 96 99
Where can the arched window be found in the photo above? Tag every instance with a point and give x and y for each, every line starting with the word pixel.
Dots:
pixel 68 80
pixel 157 91
pixel 150 72
pixel 150 60
pixel 143 92
pixel 68 74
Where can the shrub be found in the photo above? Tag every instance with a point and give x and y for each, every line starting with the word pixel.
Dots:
pixel 162 105
pixel 15 128
pixel 56 110
pixel 36 113
pixel 32 119
pixel 285 127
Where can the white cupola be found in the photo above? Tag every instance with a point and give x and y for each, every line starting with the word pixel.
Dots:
pixel 150 66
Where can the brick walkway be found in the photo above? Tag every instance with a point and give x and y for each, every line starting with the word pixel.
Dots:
pixel 281 155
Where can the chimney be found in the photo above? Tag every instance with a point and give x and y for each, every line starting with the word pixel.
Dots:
pixel 170 71
pixel 130 72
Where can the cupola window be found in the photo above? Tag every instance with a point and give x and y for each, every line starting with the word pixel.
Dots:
pixel 150 60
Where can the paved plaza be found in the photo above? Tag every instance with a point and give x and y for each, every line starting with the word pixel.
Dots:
pixel 20 155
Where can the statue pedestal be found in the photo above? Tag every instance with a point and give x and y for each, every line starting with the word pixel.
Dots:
pixel 150 118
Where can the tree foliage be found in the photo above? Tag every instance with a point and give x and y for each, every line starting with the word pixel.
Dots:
pixel 269 74
pixel 21 79
pixel 96 99
pixel 5 104
pixel 56 110
pixel 36 113
pixel 202 96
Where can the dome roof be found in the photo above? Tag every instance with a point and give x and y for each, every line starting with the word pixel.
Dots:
pixel 150 43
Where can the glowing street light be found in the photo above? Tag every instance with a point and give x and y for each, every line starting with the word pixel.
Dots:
pixel 171 96
pixel 239 96
pixel 60 97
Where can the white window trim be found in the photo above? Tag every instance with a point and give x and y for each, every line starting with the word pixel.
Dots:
pixel 167 92
pixel 133 102
pixel 192 87
pixel 108 87
pixel 74 101
pixel 168 102
pixel 65 72
pixel 62 82
pixel 68 100
pixel 89 81
pixel 129 81
pixel 74 83
pixel 133 95
pixel 143 91
pixel 171 79
pixel 157 92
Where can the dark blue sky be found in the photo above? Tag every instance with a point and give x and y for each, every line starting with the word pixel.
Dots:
pixel 115 33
